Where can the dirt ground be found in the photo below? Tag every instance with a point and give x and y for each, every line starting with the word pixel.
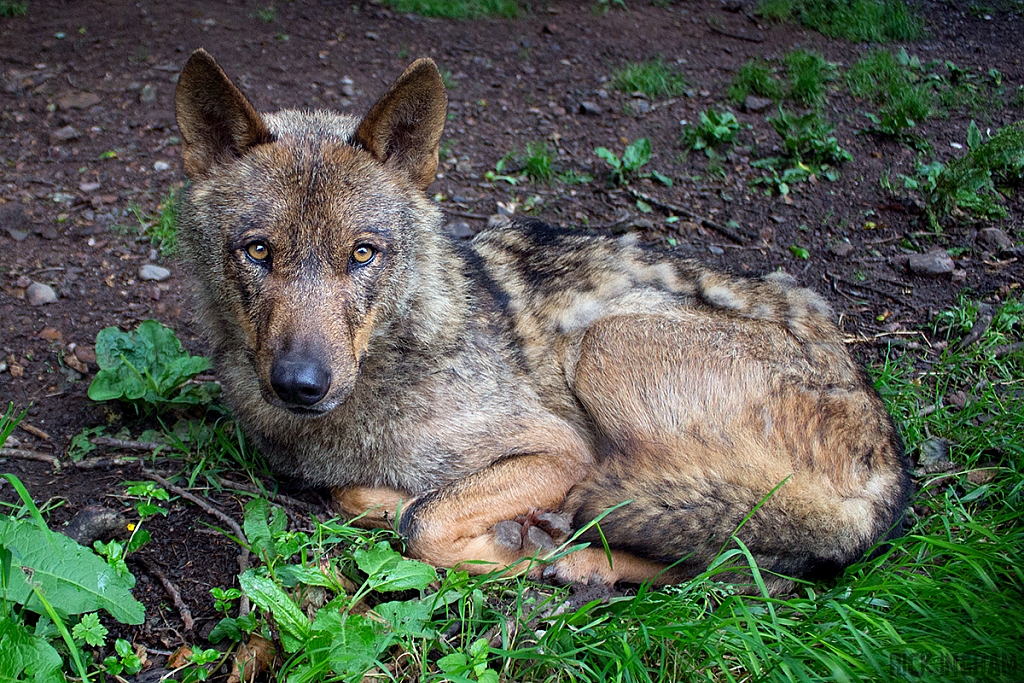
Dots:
pixel 87 131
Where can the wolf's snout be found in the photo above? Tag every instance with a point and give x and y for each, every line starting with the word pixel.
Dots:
pixel 300 381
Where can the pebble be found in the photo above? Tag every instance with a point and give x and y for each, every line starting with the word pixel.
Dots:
pixel 78 100
pixel 717 251
pixel 39 294
pixel 147 94
pixel 372 36
pixel 88 186
pixel 590 108
pixel 841 249
pixel 50 334
pixel 641 106
pixel 153 273
pixel 348 87
pixel 161 166
pixel 935 262
pixel 755 104
pixel 65 134
pixel 995 239
pixel 85 353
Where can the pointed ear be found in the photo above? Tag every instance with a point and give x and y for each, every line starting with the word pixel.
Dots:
pixel 403 129
pixel 217 122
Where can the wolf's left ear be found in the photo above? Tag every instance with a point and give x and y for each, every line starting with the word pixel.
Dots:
pixel 403 130
pixel 217 122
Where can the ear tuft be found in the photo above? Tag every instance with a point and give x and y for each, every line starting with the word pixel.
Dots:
pixel 218 124
pixel 403 129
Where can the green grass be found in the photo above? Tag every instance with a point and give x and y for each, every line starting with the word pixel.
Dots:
pixel 895 84
pixel 161 228
pixel 11 9
pixel 653 78
pixel 969 183
pixel 457 9
pixel 756 77
pixel 877 21
pixel 538 161
pixel 808 73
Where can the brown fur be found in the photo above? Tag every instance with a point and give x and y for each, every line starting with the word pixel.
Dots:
pixel 460 388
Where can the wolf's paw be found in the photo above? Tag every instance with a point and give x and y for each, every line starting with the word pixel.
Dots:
pixel 585 566
pixel 535 532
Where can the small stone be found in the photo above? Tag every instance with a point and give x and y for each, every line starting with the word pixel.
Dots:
pixel 934 455
pixel 755 104
pixel 48 232
pixel 841 249
pixel 50 334
pixel 78 100
pixel 591 108
pixel 717 251
pixel 995 239
pixel 85 353
pixel 371 35
pixel 153 273
pixel 161 166
pixel 348 87
pixel 16 370
pixel 88 186
pixel 39 294
pixel 147 94
pixel 23 281
pixel 460 230
pixel 641 106
pixel 72 362
pixel 958 276
pixel 65 134
pixel 17 235
pixel 935 262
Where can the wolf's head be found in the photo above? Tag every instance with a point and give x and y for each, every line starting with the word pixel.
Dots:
pixel 310 233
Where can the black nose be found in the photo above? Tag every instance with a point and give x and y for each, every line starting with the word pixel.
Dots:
pixel 301 382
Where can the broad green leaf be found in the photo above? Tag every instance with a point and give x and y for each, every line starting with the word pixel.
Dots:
pixel 388 571
pixel 608 156
pixel 350 644
pixel 257 530
pixel 408 618
pixel 25 657
pixel 293 624
pixel 71 577
pixel 637 154
pixel 973 135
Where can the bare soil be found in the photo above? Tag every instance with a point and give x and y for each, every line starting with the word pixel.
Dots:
pixel 107 68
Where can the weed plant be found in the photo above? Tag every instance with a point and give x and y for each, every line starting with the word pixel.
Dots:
pixel 653 78
pixel 808 73
pixel 756 77
pixel 810 151
pixel 876 21
pixel 895 83
pixel 715 130
pixel 10 9
pixel 457 9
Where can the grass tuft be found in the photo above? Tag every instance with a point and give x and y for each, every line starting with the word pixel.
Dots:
pixel 877 21
pixel 756 77
pixel 653 78
pixel 457 9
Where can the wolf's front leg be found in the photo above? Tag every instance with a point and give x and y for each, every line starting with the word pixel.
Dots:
pixel 466 524
pixel 370 507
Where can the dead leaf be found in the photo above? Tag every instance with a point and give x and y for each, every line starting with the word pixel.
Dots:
pixel 252 659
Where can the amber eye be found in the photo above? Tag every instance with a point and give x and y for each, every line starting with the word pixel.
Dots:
pixel 363 253
pixel 257 251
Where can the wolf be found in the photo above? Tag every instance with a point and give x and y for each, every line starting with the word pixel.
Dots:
pixel 488 399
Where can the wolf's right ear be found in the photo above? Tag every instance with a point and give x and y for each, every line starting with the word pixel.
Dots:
pixel 217 122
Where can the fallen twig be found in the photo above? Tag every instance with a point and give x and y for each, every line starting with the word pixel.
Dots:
pixel 467 214
pixel 1005 349
pixel 172 590
pixel 34 431
pixel 30 455
pixel 127 444
pixel 706 222
pixel 96 463
pixel 986 314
